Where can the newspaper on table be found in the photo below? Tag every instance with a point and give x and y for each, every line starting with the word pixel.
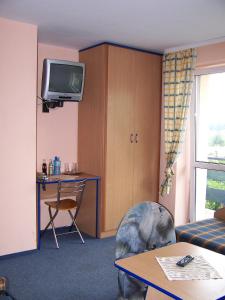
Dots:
pixel 197 269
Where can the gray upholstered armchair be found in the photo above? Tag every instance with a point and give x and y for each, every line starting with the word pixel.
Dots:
pixel 146 226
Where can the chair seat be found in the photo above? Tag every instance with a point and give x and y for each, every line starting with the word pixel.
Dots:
pixel 64 204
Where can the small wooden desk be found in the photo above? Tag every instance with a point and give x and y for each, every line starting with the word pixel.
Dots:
pixel 146 268
pixel 67 178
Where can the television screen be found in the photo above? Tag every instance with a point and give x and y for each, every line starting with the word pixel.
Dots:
pixel 62 80
pixel 65 78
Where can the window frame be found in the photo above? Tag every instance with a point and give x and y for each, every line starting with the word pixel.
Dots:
pixel 193 139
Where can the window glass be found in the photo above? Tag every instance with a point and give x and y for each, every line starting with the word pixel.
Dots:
pixel 210 192
pixel 210 109
pixel 209 143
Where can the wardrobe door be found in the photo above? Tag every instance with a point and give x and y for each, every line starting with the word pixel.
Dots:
pixel 147 127
pixel 120 135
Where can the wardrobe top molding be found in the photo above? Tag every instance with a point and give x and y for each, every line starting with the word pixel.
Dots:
pixel 121 46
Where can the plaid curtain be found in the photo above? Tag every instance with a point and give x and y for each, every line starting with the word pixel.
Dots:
pixel 178 70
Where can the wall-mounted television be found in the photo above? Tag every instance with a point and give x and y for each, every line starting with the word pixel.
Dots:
pixel 62 80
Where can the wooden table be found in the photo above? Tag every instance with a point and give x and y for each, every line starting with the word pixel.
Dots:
pixel 53 180
pixel 146 268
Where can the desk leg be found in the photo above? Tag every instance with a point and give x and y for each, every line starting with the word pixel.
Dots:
pixel 97 202
pixel 38 215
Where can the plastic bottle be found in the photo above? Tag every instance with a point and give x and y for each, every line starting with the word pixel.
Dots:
pixel 57 166
pixel 50 168
pixel 44 167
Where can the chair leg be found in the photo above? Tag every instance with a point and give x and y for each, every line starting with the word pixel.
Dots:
pixel 53 226
pixel 49 223
pixel 73 220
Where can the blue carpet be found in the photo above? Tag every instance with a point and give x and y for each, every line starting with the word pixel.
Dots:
pixel 75 271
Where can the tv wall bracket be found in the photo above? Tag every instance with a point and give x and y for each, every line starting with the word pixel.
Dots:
pixel 46 105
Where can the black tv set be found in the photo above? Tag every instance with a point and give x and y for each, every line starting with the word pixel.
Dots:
pixel 62 81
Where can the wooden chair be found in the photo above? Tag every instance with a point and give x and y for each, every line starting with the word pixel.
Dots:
pixel 66 190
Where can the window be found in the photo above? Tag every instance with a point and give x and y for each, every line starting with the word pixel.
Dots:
pixel 208 143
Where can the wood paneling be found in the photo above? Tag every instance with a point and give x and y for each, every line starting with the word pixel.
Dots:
pixel 147 127
pixel 122 96
pixel 119 173
pixel 92 118
pixel 108 233
pixel 86 219
pixel 156 295
pixel 146 267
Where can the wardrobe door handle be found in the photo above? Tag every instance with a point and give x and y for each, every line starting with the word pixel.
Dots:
pixel 131 137
pixel 136 138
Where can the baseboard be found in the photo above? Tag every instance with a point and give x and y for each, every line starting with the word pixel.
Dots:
pixel 109 233
pixel 17 254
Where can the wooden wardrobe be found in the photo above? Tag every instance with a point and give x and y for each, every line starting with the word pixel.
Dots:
pixel 119 128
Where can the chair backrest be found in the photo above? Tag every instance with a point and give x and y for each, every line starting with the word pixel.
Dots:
pixel 146 226
pixel 71 190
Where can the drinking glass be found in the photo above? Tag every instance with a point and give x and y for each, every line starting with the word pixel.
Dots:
pixel 66 168
pixel 74 168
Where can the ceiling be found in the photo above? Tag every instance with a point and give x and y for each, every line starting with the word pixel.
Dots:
pixel 148 24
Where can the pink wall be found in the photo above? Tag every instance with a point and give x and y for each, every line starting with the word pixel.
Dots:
pixel 56 134
pixel 211 55
pixel 18 61
pixel 178 199
pixel 56 130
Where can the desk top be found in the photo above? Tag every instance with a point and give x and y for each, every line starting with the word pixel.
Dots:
pixel 63 177
pixel 146 268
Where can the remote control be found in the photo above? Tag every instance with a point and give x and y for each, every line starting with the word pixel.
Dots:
pixel 185 260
